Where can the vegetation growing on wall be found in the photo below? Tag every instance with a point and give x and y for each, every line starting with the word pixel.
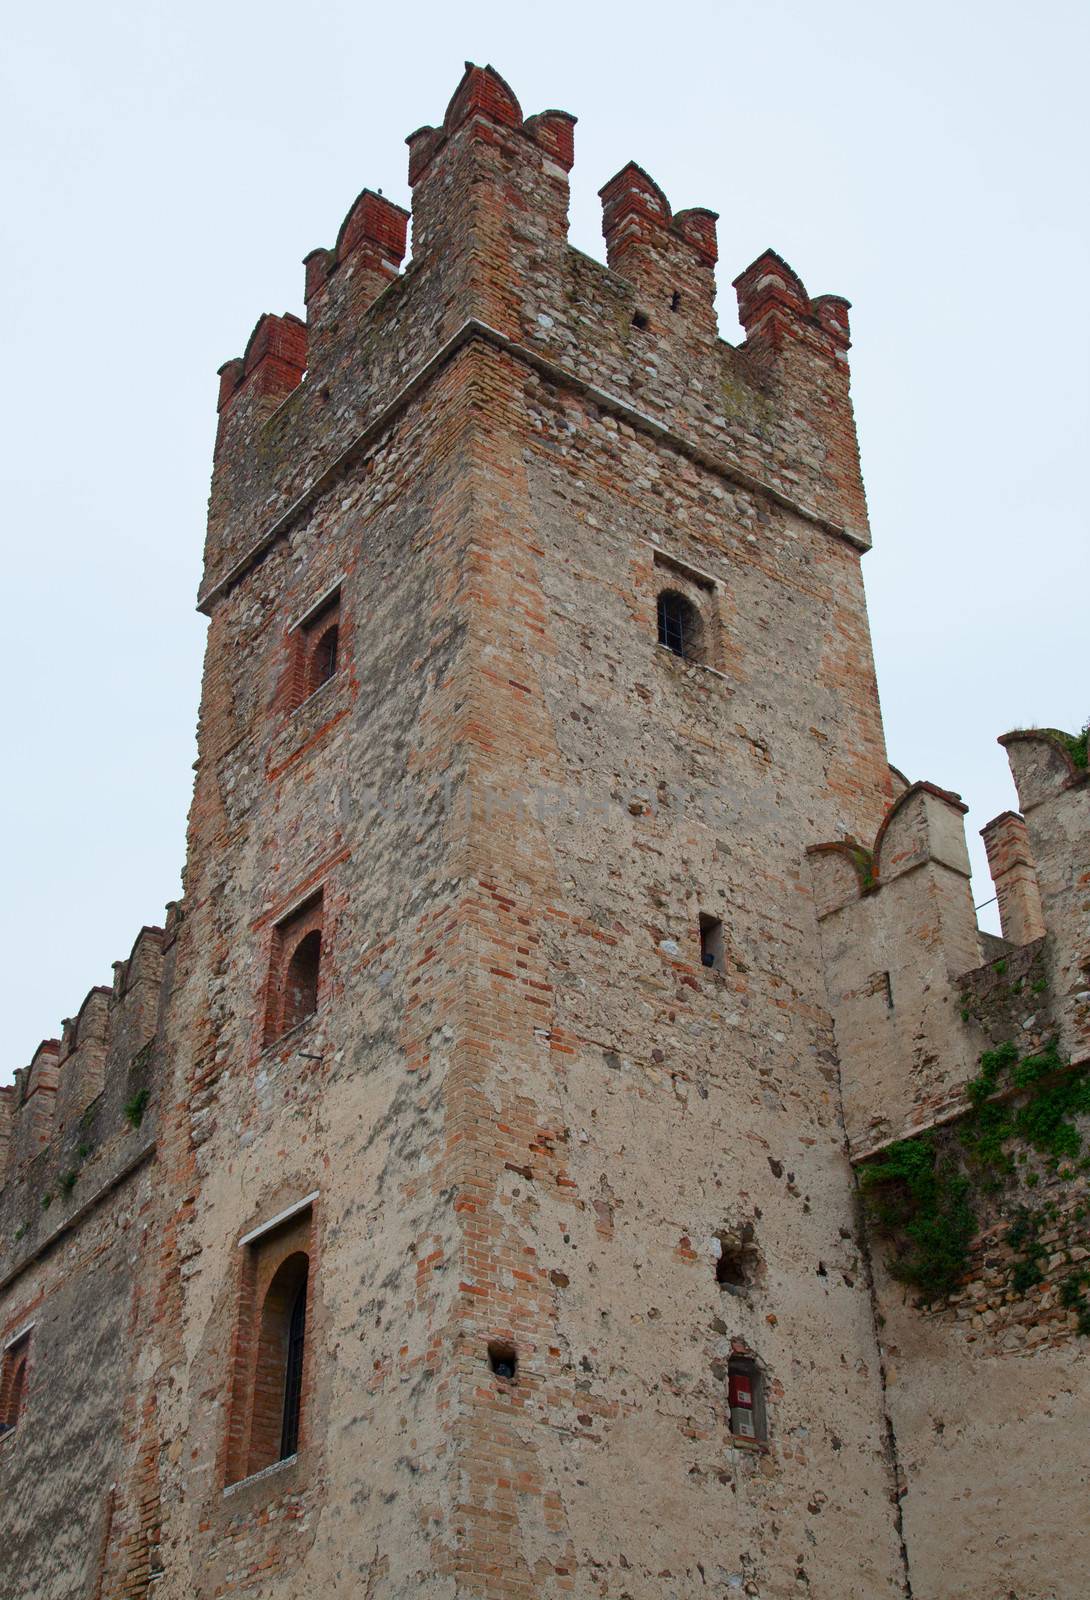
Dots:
pixel 1074 743
pixel 924 1194
pixel 134 1109
pixel 864 865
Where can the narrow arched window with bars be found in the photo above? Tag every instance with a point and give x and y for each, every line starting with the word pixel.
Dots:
pixel 269 1387
pixel 293 1377
pixel 276 1388
pixel 679 624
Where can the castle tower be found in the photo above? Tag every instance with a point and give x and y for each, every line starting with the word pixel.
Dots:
pixel 488 1225
pixel 459 820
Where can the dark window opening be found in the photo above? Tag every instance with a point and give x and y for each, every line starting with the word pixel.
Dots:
pixel 267 1408
pixel 293 1376
pixel 639 319
pixel 323 662
pixel 675 300
pixel 746 1397
pixel 503 1359
pixel 679 625
pixel 711 942
pixel 301 980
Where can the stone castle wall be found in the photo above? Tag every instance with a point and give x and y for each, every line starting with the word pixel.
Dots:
pixel 986 1385
pixel 525 1115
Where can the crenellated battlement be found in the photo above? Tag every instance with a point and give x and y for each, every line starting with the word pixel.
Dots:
pixel 905 960
pixel 71 1115
pixel 490 257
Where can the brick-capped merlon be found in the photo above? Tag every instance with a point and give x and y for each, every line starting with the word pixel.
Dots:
pixel 274 360
pixel 635 211
pixel 769 285
pixel 481 92
pixel 831 310
pixel 375 229
pixel 1014 874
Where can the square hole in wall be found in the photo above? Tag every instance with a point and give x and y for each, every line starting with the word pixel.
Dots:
pixel 712 948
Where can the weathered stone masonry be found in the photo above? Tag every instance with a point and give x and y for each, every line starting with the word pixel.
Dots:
pixel 519 1120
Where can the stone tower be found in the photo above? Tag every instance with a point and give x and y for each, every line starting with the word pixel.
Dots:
pixel 461 1201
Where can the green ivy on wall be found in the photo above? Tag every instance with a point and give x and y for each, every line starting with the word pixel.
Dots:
pixel 923 1193
pixel 1074 743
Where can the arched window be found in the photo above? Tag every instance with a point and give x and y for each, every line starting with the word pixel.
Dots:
pixel 13 1382
pixel 267 1406
pixel 278 1375
pixel 679 625
pixel 295 960
pixel 323 660
pixel 301 980
pixel 316 643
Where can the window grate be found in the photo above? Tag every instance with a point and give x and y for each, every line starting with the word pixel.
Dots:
pixel 677 623
pixel 324 663
pixel 293 1374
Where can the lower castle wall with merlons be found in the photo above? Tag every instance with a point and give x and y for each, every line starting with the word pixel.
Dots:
pixel 987 1382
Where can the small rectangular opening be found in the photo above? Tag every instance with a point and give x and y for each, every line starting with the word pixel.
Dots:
pixel 747 1402
pixel 711 942
pixel 503 1359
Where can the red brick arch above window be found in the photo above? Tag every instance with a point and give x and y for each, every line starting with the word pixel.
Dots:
pixel 295 969
pixel 267 1406
pixel 14 1375
pixel 317 647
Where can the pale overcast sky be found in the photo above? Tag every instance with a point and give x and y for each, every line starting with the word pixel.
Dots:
pixel 165 170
